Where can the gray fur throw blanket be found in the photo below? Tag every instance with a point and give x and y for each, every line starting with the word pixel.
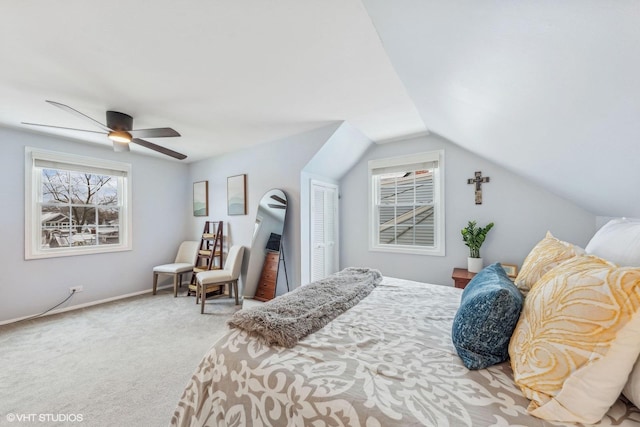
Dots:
pixel 290 317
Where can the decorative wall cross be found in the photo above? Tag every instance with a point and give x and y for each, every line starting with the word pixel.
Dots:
pixel 478 180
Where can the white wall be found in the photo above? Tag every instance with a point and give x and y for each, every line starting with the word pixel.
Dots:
pixel 162 217
pixel 522 214
pixel 271 165
pixel 161 203
pixel 332 161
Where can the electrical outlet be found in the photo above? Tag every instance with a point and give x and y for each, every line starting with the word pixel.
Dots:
pixel 76 289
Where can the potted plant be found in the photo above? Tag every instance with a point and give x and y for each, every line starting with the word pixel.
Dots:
pixel 473 236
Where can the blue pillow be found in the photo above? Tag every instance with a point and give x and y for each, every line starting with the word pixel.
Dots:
pixel 489 311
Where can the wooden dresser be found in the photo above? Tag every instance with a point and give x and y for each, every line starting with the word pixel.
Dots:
pixel 268 278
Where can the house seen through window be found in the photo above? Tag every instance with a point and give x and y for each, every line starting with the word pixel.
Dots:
pixel 78 205
pixel 407 209
pixel 79 208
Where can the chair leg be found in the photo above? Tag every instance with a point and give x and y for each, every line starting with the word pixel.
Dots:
pixel 175 285
pixel 235 290
pixel 203 296
pixel 155 282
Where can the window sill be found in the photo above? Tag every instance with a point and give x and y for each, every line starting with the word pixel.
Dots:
pixel 76 252
pixel 408 250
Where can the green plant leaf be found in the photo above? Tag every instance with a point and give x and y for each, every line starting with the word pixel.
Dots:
pixel 474 236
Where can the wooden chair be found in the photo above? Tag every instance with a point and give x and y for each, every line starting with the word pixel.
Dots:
pixel 208 280
pixel 184 262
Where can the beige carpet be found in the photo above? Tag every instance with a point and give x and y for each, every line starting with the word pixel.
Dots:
pixel 123 363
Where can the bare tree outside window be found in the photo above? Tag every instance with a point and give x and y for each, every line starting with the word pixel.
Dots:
pixel 75 205
pixel 79 209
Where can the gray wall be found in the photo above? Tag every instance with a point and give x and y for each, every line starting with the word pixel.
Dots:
pixel 522 214
pixel 161 201
pixel 162 217
pixel 271 165
pixel 332 161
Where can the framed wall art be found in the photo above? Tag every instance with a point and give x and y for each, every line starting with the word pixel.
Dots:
pixel 201 198
pixel 510 269
pixel 237 195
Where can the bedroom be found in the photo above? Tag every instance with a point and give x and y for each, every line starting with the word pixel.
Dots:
pixel 533 148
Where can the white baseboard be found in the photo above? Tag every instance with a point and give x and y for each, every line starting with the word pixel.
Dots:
pixel 87 304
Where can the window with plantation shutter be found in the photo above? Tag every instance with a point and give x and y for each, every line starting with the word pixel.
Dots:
pixel 407 206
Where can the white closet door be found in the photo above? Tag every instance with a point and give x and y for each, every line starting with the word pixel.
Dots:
pixel 324 229
pixel 317 233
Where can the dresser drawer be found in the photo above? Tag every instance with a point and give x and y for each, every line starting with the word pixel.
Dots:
pixel 265 292
pixel 271 261
pixel 269 276
pixel 267 284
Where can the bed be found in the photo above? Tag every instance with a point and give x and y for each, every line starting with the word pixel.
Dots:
pixel 387 361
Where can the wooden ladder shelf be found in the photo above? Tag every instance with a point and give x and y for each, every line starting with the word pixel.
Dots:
pixel 210 255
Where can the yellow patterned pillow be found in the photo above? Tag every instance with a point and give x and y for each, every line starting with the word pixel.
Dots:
pixel 548 253
pixel 577 339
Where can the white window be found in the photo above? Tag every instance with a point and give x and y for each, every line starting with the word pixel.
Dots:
pixel 75 205
pixel 407 204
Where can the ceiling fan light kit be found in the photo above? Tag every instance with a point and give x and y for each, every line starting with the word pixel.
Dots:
pixel 119 136
pixel 119 129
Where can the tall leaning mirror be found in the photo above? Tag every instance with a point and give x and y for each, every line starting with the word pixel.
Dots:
pixel 266 262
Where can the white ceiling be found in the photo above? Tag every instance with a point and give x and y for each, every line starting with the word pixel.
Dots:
pixel 548 89
pixel 224 74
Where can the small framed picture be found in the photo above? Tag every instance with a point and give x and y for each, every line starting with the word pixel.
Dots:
pixel 510 269
pixel 237 195
pixel 201 198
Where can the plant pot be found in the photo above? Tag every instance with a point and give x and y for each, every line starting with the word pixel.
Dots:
pixel 474 265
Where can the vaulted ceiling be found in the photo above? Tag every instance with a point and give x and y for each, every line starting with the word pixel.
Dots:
pixel 549 90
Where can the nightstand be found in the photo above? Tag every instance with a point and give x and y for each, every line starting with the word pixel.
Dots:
pixel 461 277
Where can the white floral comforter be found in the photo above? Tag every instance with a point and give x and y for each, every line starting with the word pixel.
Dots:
pixel 388 361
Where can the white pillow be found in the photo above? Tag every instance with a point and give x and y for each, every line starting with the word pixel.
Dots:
pixel 632 388
pixel 618 241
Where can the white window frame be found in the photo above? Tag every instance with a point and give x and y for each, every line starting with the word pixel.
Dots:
pixel 33 214
pixel 438 249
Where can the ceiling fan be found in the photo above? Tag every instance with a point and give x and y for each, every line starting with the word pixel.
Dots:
pixel 119 129
pixel 278 199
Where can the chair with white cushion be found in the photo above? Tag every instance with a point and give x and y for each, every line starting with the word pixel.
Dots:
pixel 184 263
pixel 207 280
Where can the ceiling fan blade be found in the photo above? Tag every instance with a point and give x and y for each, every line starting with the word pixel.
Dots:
pixel 60 127
pixel 79 114
pixel 119 147
pixel 279 199
pixel 158 148
pixel 153 133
